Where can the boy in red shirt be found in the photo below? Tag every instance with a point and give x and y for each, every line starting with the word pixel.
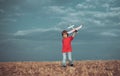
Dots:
pixel 66 47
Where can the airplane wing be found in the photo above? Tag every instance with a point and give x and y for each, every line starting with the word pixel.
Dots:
pixel 71 26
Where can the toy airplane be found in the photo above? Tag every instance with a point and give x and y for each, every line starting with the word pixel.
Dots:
pixel 71 26
pixel 73 29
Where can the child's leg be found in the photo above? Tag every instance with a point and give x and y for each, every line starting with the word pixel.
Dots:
pixel 70 57
pixel 64 59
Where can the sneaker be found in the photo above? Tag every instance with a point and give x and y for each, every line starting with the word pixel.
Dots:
pixel 63 65
pixel 71 65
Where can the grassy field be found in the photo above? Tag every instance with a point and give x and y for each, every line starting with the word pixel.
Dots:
pixel 81 68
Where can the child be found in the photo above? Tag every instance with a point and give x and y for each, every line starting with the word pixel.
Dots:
pixel 66 47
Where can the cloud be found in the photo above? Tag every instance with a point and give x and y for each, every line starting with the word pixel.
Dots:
pixel 19 14
pixel 34 3
pixel 115 9
pixel 106 5
pixel 60 9
pixel 95 22
pixel 109 34
pixel 71 19
pixel 84 6
pixel 26 32
pixel 107 14
pixel 2 11
pixel 9 19
pixel 4 35
pixel 57 9
pixel 68 15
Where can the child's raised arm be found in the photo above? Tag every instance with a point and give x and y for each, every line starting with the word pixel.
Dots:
pixel 74 33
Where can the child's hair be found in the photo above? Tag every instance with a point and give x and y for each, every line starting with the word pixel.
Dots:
pixel 64 31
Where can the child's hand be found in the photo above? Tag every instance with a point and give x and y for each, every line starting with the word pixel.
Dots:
pixel 75 31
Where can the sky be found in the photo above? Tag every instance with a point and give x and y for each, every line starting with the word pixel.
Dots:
pixel 31 29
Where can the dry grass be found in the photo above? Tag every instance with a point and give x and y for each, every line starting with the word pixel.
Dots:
pixel 81 68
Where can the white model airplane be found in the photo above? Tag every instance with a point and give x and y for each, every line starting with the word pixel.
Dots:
pixel 73 29
pixel 71 26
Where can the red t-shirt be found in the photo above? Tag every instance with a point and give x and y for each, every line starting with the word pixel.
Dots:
pixel 66 44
